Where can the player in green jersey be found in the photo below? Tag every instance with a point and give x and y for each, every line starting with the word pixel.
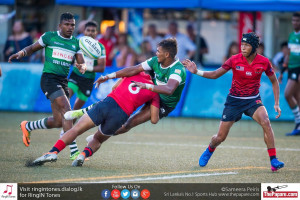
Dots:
pixel 169 81
pixel 61 48
pixel 82 84
pixel 292 91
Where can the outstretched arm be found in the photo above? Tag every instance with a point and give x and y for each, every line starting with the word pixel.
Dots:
pixel 167 89
pixel 126 72
pixel 275 86
pixel 27 51
pixel 192 67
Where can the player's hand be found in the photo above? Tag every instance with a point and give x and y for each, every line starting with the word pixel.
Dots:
pixel 100 80
pixel 17 56
pixel 81 67
pixel 278 110
pixel 280 78
pixel 139 84
pixel 190 65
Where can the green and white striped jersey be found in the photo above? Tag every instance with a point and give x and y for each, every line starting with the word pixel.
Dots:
pixel 59 52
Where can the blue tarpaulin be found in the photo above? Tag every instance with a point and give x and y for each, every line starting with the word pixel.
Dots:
pixel 251 5
pixel 134 3
pixel 7 2
pixel 226 5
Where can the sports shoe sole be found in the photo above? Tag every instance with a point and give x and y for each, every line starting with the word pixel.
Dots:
pixel 41 162
pixel 26 137
pixel 78 162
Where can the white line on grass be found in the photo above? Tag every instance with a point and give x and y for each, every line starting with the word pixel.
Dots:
pixel 165 177
pixel 196 145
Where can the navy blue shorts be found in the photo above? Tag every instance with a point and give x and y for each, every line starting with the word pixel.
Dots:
pixel 109 115
pixel 234 108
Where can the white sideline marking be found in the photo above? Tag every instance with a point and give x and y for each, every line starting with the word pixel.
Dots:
pixel 196 145
pixel 165 177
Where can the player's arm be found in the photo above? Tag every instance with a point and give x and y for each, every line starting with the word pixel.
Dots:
pixel 192 67
pixel 80 63
pixel 101 63
pixel 275 87
pixel 167 89
pixel 126 72
pixel 27 51
pixel 154 109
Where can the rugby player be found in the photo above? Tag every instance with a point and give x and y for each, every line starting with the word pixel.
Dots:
pixel 61 48
pixel 247 68
pixel 109 114
pixel 82 84
pixel 292 89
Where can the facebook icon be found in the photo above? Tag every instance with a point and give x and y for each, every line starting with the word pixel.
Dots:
pixel 105 194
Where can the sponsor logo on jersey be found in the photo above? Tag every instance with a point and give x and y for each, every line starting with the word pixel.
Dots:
pixel 178 71
pixel 73 46
pixel 239 68
pixel 58 43
pixel 248 73
pixel 295 48
pixel 60 54
pixel 259 70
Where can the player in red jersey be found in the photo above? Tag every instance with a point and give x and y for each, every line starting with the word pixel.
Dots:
pixel 247 68
pixel 110 113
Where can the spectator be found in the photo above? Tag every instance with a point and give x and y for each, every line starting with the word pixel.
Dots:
pixel 36 57
pixel 152 37
pixel 122 55
pixel 146 53
pixel 186 48
pixel 109 41
pixel 279 57
pixel 17 41
pixel 80 29
pixel 203 49
pixel 232 50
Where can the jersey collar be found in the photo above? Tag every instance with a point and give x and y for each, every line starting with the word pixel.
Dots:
pixel 177 60
pixel 64 37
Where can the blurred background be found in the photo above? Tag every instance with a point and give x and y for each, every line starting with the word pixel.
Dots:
pixel 212 28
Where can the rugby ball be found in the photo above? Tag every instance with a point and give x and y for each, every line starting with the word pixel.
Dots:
pixel 90 47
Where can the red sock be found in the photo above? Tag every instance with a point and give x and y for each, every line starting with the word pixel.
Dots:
pixel 210 149
pixel 272 153
pixel 88 151
pixel 59 145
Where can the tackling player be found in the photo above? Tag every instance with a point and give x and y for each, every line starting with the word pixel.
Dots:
pixel 82 84
pixel 247 68
pixel 169 81
pixel 61 48
pixel 109 114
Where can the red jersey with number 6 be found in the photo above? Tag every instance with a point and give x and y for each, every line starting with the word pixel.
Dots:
pixel 246 77
pixel 129 98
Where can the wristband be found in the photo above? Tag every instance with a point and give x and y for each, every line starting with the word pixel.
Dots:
pixel 89 68
pixel 200 73
pixel 112 75
pixel 149 87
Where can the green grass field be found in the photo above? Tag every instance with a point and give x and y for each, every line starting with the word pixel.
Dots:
pixel 167 152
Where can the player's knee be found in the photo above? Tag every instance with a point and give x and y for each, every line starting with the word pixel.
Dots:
pixel 265 122
pixel 287 95
pixel 219 138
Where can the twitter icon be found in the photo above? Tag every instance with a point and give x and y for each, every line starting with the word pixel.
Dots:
pixel 125 194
